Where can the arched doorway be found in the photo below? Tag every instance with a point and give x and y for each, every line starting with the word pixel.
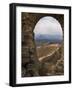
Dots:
pixel 48 35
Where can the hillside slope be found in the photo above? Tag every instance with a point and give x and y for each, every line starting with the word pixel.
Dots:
pixel 54 63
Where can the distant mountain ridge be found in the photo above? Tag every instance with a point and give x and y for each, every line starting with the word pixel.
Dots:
pixel 48 38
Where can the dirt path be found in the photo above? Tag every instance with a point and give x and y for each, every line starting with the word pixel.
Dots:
pixel 43 57
pixel 45 51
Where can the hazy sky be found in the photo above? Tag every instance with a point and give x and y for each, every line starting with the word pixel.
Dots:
pixel 48 25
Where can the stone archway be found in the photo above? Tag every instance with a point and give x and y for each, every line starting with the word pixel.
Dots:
pixel 30 62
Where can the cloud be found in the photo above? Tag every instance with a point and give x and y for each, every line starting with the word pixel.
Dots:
pixel 48 26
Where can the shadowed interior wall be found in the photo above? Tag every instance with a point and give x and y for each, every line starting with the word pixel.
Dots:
pixel 30 62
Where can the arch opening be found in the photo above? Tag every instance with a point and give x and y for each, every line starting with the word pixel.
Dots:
pixel 48 36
